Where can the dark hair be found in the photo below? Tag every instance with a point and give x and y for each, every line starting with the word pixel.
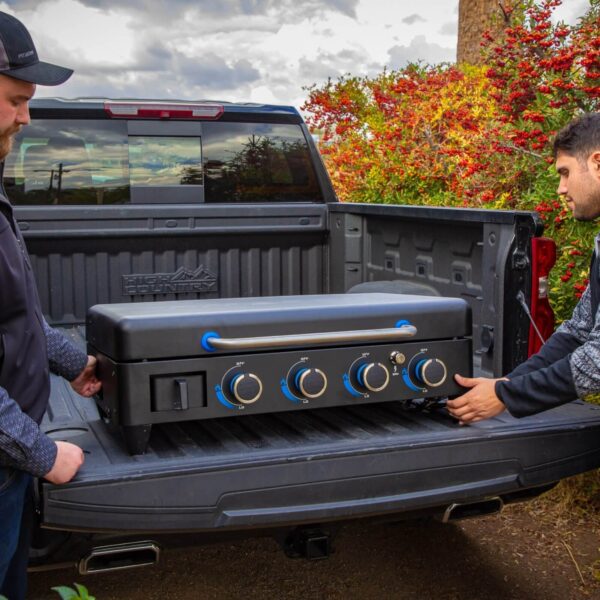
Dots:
pixel 580 137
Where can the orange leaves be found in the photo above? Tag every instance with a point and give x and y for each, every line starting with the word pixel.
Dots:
pixel 410 135
pixel 470 136
pixel 456 136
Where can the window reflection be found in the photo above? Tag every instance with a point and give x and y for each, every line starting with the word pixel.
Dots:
pixel 161 161
pixel 257 162
pixel 74 162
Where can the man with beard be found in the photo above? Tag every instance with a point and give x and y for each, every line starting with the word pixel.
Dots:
pixel 568 365
pixel 29 348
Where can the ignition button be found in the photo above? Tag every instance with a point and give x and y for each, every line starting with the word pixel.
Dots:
pixel 397 358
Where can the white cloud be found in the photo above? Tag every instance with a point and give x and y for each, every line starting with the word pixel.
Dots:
pixel 449 28
pixel 235 50
pixel 67 31
pixel 414 18
pixel 571 10
pixel 332 65
pixel 420 50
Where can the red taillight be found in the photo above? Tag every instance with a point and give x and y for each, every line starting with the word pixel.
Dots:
pixel 543 257
pixel 125 109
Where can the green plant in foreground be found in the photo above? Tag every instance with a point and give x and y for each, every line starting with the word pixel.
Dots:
pixel 67 593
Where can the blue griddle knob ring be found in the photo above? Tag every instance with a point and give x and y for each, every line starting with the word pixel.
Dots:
pixel 206 344
pixel 402 323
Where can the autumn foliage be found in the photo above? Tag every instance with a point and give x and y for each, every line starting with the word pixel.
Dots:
pixel 473 136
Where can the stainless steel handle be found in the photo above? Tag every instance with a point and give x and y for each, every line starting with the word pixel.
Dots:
pixel 304 339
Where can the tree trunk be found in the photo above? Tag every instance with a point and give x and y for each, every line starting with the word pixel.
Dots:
pixel 474 17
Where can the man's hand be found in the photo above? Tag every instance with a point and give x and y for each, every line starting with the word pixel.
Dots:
pixel 479 403
pixel 86 383
pixel 69 458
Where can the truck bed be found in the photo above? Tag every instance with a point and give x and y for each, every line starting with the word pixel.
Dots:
pixel 308 466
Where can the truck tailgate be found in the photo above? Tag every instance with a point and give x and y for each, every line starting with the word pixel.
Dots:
pixel 305 466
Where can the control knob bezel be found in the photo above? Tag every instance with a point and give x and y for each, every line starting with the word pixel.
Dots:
pixel 421 372
pixel 235 392
pixel 299 380
pixel 362 376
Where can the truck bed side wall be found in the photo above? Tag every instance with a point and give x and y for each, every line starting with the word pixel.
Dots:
pixel 481 256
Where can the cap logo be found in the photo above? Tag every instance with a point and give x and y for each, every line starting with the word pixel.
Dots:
pixel 19 58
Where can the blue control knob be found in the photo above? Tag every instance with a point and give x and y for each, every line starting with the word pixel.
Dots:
pixel 246 388
pixel 431 372
pixel 310 383
pixel 373 377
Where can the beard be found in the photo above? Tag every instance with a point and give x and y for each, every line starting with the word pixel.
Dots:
pixel 6 142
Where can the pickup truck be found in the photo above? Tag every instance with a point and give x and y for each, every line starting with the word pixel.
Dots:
pixel 142 201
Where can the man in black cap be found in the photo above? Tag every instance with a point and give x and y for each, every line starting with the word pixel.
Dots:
pixel 29 348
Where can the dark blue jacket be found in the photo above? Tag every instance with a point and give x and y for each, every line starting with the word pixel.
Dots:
pixel 28 349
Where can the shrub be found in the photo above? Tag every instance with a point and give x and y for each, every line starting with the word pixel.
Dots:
pixel 473 136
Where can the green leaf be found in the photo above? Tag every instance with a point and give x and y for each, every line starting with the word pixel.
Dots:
pixel 66 593
pixel 83 592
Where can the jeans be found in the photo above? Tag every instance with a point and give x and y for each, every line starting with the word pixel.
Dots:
pixel 16 515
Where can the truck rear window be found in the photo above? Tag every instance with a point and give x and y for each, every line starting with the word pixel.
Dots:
pixel 75 162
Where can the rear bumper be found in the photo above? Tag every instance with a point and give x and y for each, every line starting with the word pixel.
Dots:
pixel 428 467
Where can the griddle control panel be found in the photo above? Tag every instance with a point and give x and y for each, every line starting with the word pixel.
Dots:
pixel 275 381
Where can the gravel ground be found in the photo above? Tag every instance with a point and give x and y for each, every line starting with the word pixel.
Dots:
pixel 522 553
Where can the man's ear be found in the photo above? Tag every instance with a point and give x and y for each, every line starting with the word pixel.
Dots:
pixel 594 162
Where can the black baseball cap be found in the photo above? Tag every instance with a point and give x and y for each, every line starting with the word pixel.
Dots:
pixel 19 58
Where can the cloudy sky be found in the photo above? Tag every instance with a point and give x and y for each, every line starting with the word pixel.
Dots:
pixel 235 50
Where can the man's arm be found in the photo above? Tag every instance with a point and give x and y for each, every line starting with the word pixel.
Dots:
pixel 570 369
pixel 559 345
pixel 65 359
pixel 25 447
pixel 563 370
pixel 68 361
pixel 539 390
pixel 522 396
pixel 22 443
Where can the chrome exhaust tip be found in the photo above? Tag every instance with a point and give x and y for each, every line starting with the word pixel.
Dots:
pixel 119 557
pixel 469 510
